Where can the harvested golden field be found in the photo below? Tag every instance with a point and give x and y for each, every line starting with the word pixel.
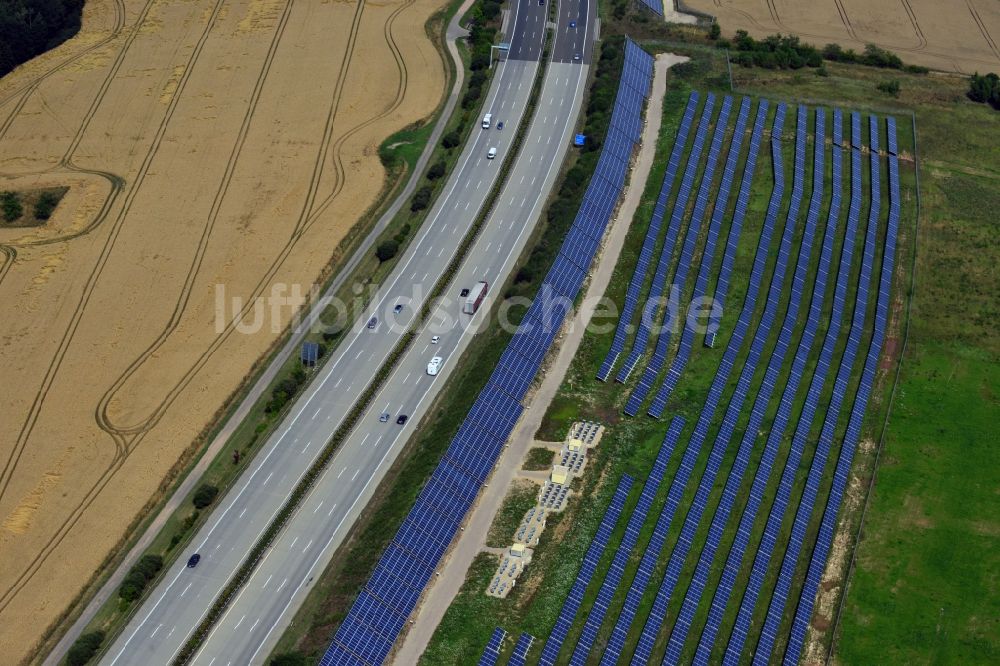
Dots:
pixel 204 142
pixel 950 35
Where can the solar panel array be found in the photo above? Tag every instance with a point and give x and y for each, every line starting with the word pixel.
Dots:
pixel 590 560
pixel 772 529
pixel 492 650
pixel 683 264
pixel 378 614
pixel 769 632
pixel 616 643
pixel 520 653
pixel 614 576
pixel 781 419
pixel 704 270
pixel 658 613
pixel 667 252
pixel 824 540
pixel 655 6
pixel 649 242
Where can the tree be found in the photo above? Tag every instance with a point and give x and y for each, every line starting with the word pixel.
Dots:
pixel 386 250
pixel 451 139
pixel 11 206
pixel 289 659
pixel 204 496
pixel 45 205
pixel 421 199
pixel 714 32
pixel 437 170
pixel 985 89
pixel 31 27
pixel 84 648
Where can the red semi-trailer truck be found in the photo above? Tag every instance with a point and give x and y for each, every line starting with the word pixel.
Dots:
pixel 475 297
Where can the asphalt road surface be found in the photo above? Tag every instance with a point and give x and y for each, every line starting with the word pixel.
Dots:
pixel 255 620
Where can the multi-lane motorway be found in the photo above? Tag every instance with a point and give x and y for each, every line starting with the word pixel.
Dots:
pixel 256 618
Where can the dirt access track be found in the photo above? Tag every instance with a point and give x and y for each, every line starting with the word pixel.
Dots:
pixel 205 142
pixel 949 35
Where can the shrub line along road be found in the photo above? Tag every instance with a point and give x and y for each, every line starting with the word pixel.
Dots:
pixel 255 619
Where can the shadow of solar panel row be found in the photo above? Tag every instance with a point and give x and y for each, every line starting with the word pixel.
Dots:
pixel 371 627
pixel 769 539
pixel 742 461
pixel 492 650
pixel 708 256
pixel 783 494
pixel 824 539
pixel 779 597
pixel 520 654
pixel 758 267
pixel 614 576
pixel 649 242
pixel 736 228
pixel 662 346
pixel 647 565
pixel 659 283
pixel 658 611
pixel 590 560
pixel 758 411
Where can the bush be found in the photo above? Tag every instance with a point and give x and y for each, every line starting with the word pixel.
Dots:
pixel 890 87
pixel 204 496
pixel 879 57
pixel 10 203
pixel 84 648
pixel 985 89
pixel 45 205
pixel 437 170
pixel 479 61
pixel 714 32
pixel 386 250
pixel 821 71
pixel 471 96
pixel 451 139
pixel 138 576
pixel 421 199
pixel 289 659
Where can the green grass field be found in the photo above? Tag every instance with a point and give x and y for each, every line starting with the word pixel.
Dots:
pixel 923 588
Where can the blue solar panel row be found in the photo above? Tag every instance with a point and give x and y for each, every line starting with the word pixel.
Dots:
pixel 775 362
pixel 521 648
pixel 614 576
pixel 590 560
pixel 658 613
pixel 616 643
pixel 759 263
pixel 659 357
pixel 368 632
pixel 762 558
pixel 655 6
pixel 729 257
pixel 667 252
pixel 649 243
pixel 741 541
pixel 708 256
pixel 492 650
pixel 776 608
pixel 824 539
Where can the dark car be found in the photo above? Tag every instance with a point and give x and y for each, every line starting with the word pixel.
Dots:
pixel 576 56
pixel 401 419
pixel 384 417
pixel 572 24
pixel 193 561
pixel 398 308
pixel 373 322
pixel 500 125
pixel 465 292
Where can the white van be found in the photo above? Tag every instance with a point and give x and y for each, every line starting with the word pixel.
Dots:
pixel 434 365
pixel 491 154
pixel 487 120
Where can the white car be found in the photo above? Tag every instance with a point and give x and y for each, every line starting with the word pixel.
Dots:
pixel 434 366
pixel 491 154
pixel 435 339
